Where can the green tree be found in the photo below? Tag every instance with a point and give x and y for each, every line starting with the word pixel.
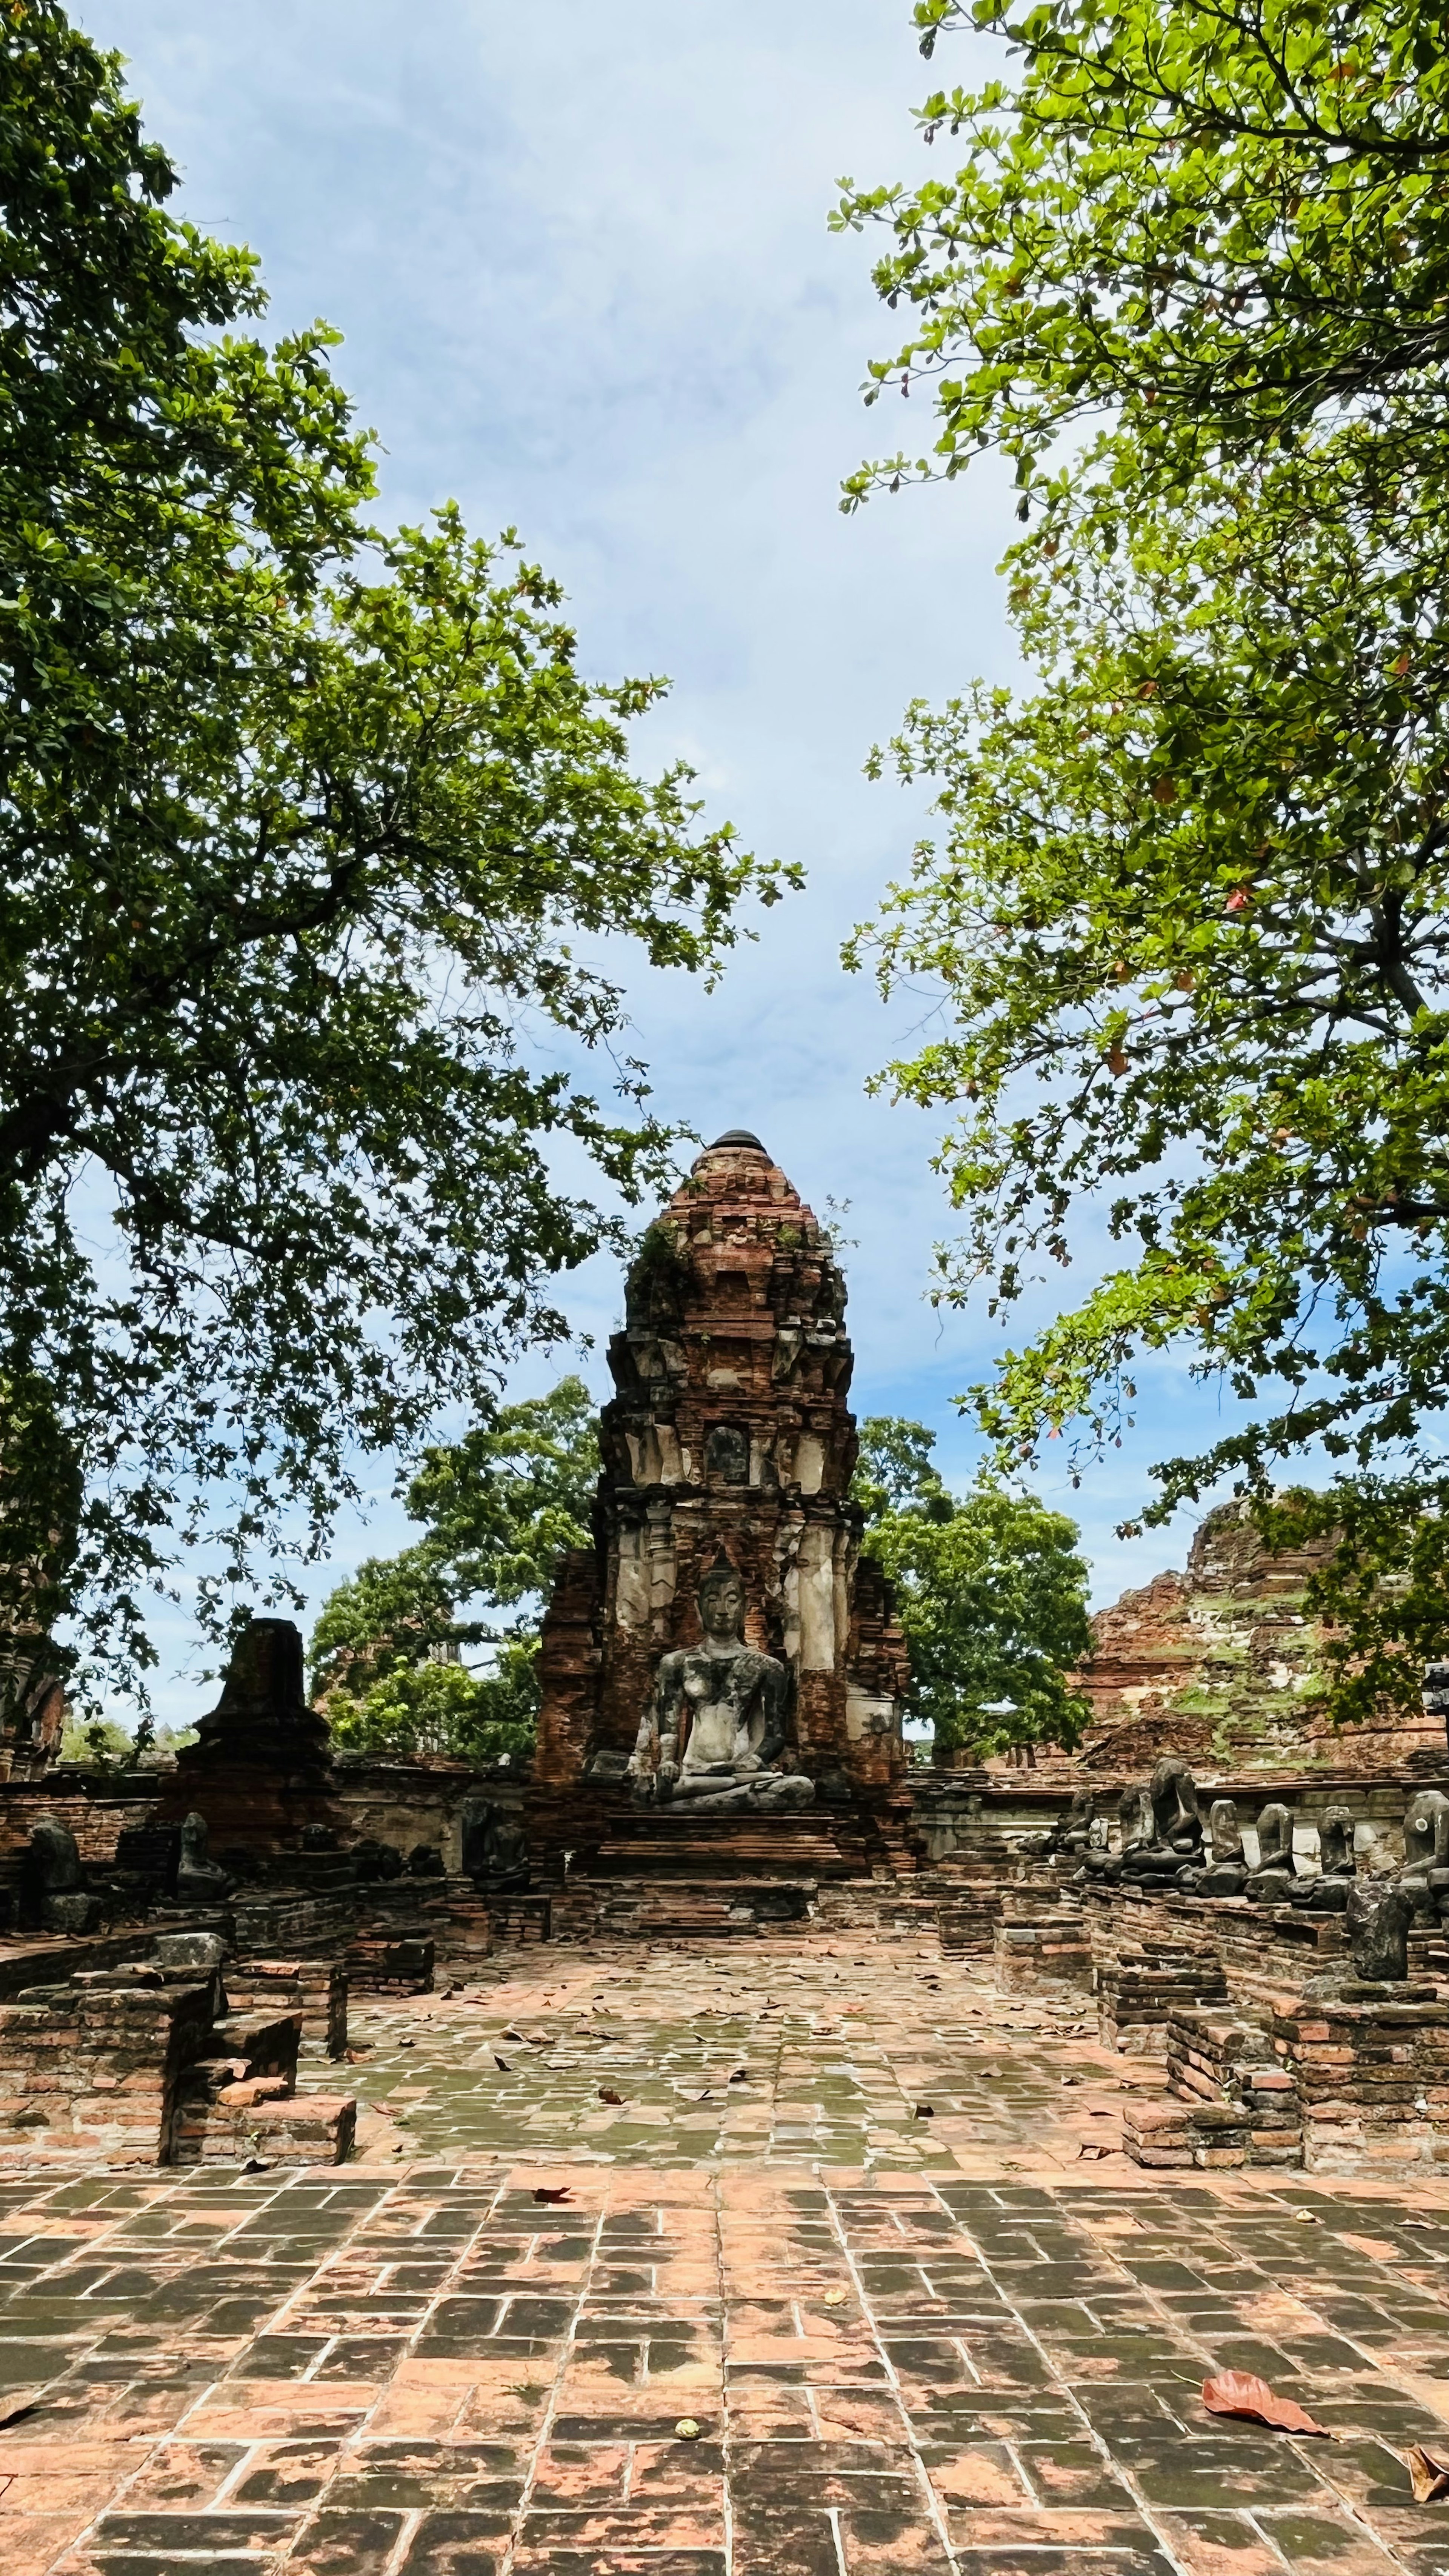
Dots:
pixel 498 1508
pixel 298 823
pixel 990 1591
pixel 1223 228
pixel 1188 911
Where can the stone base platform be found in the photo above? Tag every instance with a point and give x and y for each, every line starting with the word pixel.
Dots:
pixel 670 1843
pixel 684 1908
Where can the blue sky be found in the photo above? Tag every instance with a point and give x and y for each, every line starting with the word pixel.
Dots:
pixel 580 258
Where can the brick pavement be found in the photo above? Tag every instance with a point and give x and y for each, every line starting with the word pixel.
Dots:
pixel 921 2344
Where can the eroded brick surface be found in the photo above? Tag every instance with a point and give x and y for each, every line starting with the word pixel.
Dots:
pixel 907 2343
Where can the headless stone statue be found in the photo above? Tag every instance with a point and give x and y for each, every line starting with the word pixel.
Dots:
pixel 1426 1831
pixel 1227 1869
pixel 1335 1842
pixel 1328 1893
pixel 1134 1831
pixel 1425 1879
pixel 55 1881
pixel 495 1848
pixel 198 1879
pixel 715 1723
pixel 1271 1883
pixel 1071 1832
pixel 1175 1820
pixel 1172 1839
pixel 1379 1915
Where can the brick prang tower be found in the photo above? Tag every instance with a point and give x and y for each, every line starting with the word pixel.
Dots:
pixel 729 1435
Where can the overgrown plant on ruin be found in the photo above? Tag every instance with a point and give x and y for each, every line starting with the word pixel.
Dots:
pixel 1186 908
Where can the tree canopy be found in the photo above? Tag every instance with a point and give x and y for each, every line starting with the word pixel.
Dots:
pixel 498 1507
pixel 1187 913
pixel 303 828
pixel 990 1592
pixel 1221 226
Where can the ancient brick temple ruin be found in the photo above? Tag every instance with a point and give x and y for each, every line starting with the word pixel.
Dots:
pixel 764 2153
pixel 728 1449
pixel 1253 1911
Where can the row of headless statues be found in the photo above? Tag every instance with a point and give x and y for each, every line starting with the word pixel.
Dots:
pixel 1163 1842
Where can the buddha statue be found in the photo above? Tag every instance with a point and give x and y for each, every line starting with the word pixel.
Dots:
pixel 1328 1890
pixel 715 1724
pixel 1170 1838
pixel 1271 1882
pixel 1227 1870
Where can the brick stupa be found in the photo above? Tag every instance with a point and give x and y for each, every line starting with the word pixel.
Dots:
pixel 729 1437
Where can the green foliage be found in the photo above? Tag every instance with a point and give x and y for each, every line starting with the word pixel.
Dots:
pixel 40 1501
pixel 894 1473
pixel 661 1259
pixel 418 1709
pixel 102 1743
pixel 504 1501
pixel 98 1742
pixel 384 1619
pixel 297 822
pixel 990 1592
pixel 1223 227
pixel 1188 913
pixel 498 1506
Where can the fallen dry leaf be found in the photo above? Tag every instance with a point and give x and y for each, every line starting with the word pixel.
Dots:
pixel 18 2404
pixel 1428 2473
pixel 502 2064
pixel 1089 2147
pixel 1237 2392
pixel 553 2192
pixel 836 2298
pixel 925 2111
pixel 607 2094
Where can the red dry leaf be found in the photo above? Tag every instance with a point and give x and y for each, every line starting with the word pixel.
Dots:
pixel 1237 2392
pixel 1428 2472
pixel 552 2192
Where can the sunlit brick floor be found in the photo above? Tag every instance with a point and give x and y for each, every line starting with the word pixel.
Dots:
pixel 910 2339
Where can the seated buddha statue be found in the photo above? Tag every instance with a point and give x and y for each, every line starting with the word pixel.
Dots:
pixel 715 1724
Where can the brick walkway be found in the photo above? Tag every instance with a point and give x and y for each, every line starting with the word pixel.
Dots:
pixel 907 2343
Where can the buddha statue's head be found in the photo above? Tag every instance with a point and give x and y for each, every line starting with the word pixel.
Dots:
pixel 721 1600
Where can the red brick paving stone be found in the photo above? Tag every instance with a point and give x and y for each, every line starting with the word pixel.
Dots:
pixel 428 2367
pixel 1219 2544
pixel 34 2542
